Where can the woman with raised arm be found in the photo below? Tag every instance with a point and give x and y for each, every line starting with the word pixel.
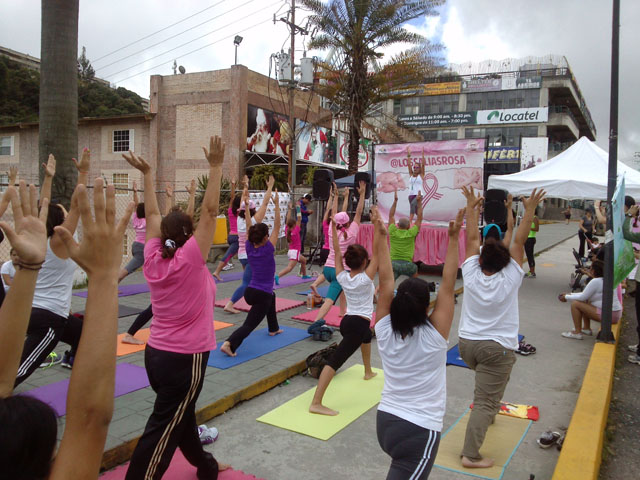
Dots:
pixel 232 239
pixel 260 248
pixel 292 232
pixel 247 216
pixel 413 349
pixel 182 335
pixel 29 450
pixel 489 320
pixel 137 249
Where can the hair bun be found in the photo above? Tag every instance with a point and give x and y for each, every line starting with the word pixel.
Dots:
pixel 169 243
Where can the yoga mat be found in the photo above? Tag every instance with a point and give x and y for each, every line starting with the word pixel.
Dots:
pixel 123 290
pixel 332 318
pixel 129 378
pixel 229 277
pixel 454 358
pixel 255 345
pixel 123 311
pixel 528 412
pixel 322 291
pixel 292 280
pixel 180 469
pixel 348 393
pixel 502 440
pixel 282 304
pixel 143 334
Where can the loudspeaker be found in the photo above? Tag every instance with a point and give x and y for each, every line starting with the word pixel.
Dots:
pixel 494 208
pixel 362 177
pixel 322 180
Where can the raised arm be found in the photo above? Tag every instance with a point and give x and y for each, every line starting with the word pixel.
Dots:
pixel 90 397
pixel 442 315
pixel 409 162
pixel 233 192
pixel 508 203
pixel 209 210
pixel 418 221
pixel 136 200
pixel 362 190
pixel 392 210
pixel 170 201
pixel 336 247
pixel 599 216
pixel 191 204
pixel 4 203
pixel 372 268
pixel 29 239
pixel 259 216
pixel 49 172
pixel 530 204
pixel 423 162
pixel 151 210
pixel 327 210
pixel 275 234
pixel 345 198
pixel 386 282
pixel 472 245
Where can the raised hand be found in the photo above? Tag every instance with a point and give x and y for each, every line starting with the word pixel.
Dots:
pixel 169 190
pixel 472 200
pixel 345 192
pixel 100 252
pixel 536 197
pixel 135 187
pixel 215 154
pixel 13 175
pixel 192 187
pixel 29 238
pixel 395 196
pixel 137 162
pixel 50 166
pixel 508 202
pixel 376 219
pixel 245 181
pixel 455 225
pixel 84 164
pixel 271 182
pixel 362 188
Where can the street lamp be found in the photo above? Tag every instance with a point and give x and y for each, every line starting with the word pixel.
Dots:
pixel 237 41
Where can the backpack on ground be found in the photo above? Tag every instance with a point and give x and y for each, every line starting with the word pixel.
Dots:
pixel 316 361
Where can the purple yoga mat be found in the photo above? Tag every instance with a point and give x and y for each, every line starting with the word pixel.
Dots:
pixel 230 277
pixel 129 378
pixel 124 290
pixel 292 281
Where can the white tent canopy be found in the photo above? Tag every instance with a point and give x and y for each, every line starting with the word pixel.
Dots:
pixel 580 172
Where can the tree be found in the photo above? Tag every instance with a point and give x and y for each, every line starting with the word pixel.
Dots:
pixel 358 30
pixel 58 128
pixel 85 70
pixel 261 174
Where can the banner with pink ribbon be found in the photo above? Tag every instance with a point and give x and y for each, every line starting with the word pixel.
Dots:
pixel 440 170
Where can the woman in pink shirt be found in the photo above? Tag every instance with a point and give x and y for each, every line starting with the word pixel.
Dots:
pixel 232 239
pixel 295 243
pixel 137 249
pixel 182 335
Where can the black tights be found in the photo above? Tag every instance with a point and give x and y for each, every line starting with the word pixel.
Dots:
pixel 528 249
pixel 262 304
pixel 355 331
pixel 140 321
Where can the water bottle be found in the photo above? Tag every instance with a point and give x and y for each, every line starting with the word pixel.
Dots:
pixel 309 301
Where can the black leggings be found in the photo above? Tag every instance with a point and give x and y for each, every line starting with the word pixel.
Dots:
pixel 412 448
pixel 140 321
pixel 355 331
pixel 583 236
pixel 262 304
pixel 638 310
pixel 528 249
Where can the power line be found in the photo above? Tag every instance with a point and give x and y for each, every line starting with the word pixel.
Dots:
pixel 184 44
pixel 158 31
pixel 178 34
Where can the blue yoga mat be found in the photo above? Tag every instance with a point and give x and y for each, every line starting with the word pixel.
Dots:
pixel 322 291
pixel 454 358
pixel 255 345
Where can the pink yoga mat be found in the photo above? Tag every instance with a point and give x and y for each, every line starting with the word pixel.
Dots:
pixel 129 378
pixel 332 318
pixel 282 304
pixel 179 469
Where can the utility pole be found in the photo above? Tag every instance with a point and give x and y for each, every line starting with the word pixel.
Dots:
pixel 292 91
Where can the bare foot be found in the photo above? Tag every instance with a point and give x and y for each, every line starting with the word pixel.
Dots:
pixel 226 349
pixel 276 333
pixel 314 289
pixel 482 463
pixel 131 340
pixel 223 466
pixel 370 375
pixel 229 308
pixel 217 275
pixel 322 410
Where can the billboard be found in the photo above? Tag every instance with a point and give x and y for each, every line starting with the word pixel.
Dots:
pixel 267 132
pixel 482 85
pixel 502 154
pixel 512 115
pixel 449 166
pixel 364 157
pixel 444 88
pixel 438 119
pixel 533 151
pixel 511 83
pixel 313 142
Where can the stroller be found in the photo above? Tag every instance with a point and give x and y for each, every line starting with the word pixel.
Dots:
pixel 578 279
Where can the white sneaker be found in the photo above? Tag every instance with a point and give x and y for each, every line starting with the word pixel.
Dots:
pixel 575 336
pixel 633 348
pixel 227 267
pixel 587 331
pixel 634 359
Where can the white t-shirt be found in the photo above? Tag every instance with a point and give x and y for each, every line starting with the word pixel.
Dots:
pixel 415 185
pixel 490 303
pixel 359 291
pixel 54 284
pixel 592 293
pixel 242 237
pixel 415 381
pixel 7 269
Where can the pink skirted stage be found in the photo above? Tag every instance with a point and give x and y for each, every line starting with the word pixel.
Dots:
pixel 431 243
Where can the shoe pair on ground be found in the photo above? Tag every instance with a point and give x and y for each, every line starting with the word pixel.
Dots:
pixel 577 336
pixel 635 358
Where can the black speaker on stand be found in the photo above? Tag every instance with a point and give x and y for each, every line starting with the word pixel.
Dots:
pixel 495 210
pixel 362 177
pixel 322 181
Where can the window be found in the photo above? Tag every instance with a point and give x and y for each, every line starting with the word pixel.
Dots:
pixel 450 134
pixel 125 246
pixel 123 140
pixel 474 102
pixel 6 145
pixel 411 106
pixel 431 135
pixel 121 182
pixel 4 182
pixel 474 133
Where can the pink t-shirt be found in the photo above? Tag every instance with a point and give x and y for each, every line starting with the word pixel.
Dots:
pixel 326 228
pixel 182 295
pixel 296 241
pixel 233 222
pixel 352 233
pixel 140 226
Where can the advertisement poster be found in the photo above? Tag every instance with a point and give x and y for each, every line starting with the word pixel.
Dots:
pixel 267 132
pixel 449 166
pixel 512 115
pixel 444 88
pixel 364 158
pixel 438 119
pixel 482 85
pixel 313 142
pixel 623 259
pixel 534 152
pixel 270 215
pixel 503 154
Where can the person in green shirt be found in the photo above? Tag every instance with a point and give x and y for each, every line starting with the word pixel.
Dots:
pixel 402 240
pixel 530 244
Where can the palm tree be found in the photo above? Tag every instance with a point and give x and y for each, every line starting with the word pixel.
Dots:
pixel 59 94
pixel 359 30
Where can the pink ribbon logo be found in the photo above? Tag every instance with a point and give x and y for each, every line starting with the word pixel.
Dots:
pixel 430 191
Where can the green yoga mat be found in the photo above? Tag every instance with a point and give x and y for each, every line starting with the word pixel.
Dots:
pixel 348 393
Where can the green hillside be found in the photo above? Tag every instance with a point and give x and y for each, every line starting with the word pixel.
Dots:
pixel 20 86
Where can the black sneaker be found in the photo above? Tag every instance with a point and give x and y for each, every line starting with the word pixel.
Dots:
pixel 67 360
pixel 548 439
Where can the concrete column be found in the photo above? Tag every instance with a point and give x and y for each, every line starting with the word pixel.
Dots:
pixel 236 127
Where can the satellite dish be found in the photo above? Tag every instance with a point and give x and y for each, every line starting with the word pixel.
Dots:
pixel 181 68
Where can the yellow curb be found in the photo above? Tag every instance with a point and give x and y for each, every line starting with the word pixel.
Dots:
pixel 582 448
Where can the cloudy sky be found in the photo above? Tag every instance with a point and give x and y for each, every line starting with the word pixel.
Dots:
pixel 471 30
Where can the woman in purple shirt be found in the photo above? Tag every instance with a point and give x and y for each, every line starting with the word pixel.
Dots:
pixel 259 294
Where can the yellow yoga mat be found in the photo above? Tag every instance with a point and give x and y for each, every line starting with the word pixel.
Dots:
pixel 502 440
pixel 348 392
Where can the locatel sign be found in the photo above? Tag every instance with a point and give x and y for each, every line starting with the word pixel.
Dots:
pixel 512 115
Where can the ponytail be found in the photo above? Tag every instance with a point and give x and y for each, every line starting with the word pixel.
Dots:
pixel 343 229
